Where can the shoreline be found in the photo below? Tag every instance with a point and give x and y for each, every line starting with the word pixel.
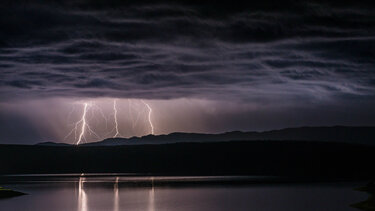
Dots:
pixel 7 193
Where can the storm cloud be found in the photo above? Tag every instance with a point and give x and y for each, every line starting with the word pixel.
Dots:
pixel 312 52
pixel 281 66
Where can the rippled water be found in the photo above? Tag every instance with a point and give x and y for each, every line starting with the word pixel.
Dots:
pixel 115 192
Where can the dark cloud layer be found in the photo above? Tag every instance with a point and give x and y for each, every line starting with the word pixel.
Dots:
pixel 243 64
pixel 310 51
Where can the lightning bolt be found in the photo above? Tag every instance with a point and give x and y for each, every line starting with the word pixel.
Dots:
pixel 83 120
pixel 90 112
pixel 97 108
pixel 132 109
pixel 85 127
pixel 149 116
pixel 115 114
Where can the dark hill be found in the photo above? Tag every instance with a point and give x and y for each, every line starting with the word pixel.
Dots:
pixel 357 135
pixel 49 143
pixel 273 158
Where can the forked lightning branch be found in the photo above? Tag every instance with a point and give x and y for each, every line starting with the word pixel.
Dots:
pixel 81 128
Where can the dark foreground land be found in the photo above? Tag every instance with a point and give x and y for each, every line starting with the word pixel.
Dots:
pixel 369 204
pixel 266 158
pixel 7 193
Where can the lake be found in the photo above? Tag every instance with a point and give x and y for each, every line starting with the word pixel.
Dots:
pixel 129 192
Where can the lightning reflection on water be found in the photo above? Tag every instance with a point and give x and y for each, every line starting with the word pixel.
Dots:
pixel 82 197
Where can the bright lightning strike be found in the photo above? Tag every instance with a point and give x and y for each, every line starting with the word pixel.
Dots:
pixel 90 112
pixel 83 120
pixel 84 127
pixel 115 114
pixel 149 116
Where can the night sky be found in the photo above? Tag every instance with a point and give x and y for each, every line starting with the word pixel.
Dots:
pixel 201 67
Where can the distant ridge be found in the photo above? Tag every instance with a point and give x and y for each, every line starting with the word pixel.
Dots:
pixel 50 143
pixel 356 135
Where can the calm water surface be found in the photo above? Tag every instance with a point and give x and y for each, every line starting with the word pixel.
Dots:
pixel 106 192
